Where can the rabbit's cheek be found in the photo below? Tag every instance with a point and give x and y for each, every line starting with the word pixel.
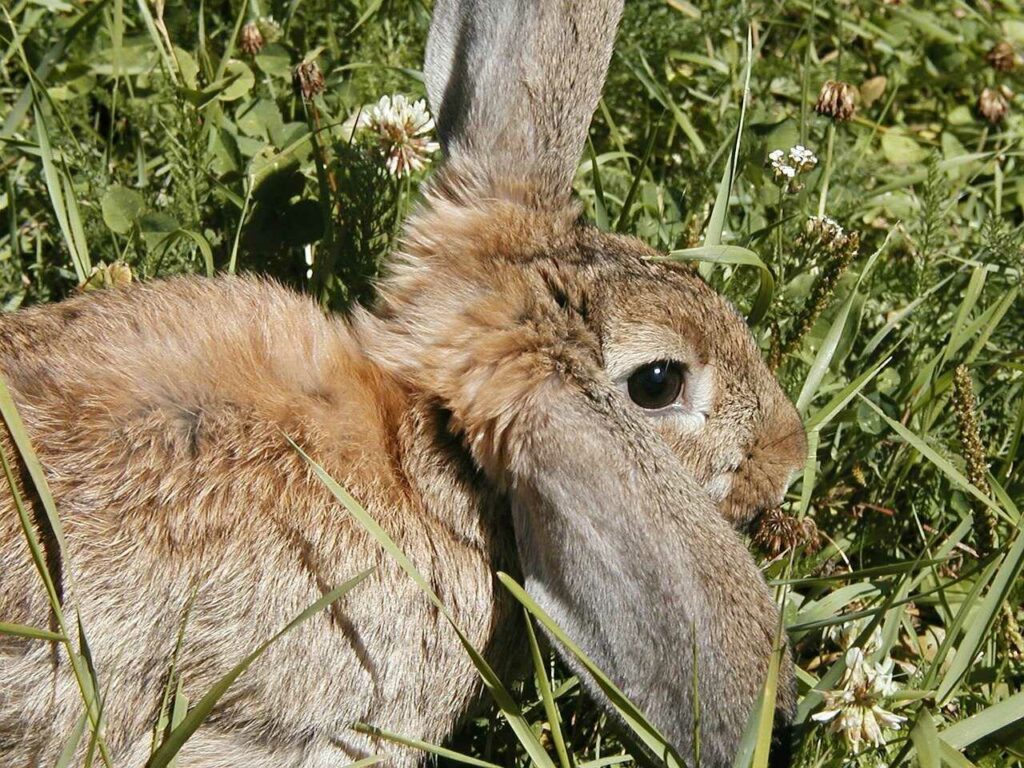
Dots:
pixel 720 487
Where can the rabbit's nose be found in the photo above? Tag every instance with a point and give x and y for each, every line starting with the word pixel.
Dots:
pixel 776 452
pixel 782 445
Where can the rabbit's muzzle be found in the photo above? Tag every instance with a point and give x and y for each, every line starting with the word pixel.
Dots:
pixel 770 461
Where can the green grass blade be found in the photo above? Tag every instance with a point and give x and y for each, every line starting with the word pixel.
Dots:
pixel 62 199
pixel 53 56
pixel 926 740
pixel 740 257
pixel 179 710
pixel 604 762
pixel 16 428
pixel 841 399
pixel 954 627
pixel 766 708
pixel 629 712
pixel 716 222
pixel 823 359
pixel 600 206
pixel 952 758
pixel 982 620
pixel 366 762
pixel 638 175
pixel 501 696
pixel 644 75
pixel 828 348
pixel 32 633
pixel 204 248
pixel 544 689
pixel 940 462
pixel 423 746
pixel 973 729
pixel 992 320
pixel 34 546
pixel 67 753
pixel 190 723
pixel 958 333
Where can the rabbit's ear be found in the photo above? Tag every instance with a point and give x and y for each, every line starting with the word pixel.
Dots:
pixel 625 550
pixel 513 85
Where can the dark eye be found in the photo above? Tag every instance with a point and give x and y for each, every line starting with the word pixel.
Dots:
pixel 656 385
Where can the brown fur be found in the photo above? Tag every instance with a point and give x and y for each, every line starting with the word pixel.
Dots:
pixel 479 414
pixel 160 414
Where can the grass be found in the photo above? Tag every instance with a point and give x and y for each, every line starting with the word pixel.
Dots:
pixel 142 141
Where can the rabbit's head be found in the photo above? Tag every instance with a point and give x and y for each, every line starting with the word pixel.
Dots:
pixel 620 402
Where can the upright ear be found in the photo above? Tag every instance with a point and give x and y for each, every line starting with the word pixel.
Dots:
pixel 513 85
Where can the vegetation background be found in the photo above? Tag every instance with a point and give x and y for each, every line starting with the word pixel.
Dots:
pixel 142 140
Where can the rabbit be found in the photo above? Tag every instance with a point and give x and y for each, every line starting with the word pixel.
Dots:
pixel 528 394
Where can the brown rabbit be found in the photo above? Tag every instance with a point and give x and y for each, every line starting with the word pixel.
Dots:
pixel 529 395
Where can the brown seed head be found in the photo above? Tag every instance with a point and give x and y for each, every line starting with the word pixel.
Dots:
pixel 251 39
pixel 837 100
pixel 993 105
pixel 1002 57
pixel 778 532
pixel 965 410
pixel 309 79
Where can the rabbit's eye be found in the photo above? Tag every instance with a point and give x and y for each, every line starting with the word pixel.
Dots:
pixel 656 385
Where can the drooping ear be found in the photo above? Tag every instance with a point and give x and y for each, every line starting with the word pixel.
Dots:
pixel 629 555
pixel 513 85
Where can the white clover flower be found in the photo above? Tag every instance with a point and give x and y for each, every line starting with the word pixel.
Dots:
pixel 855 710
pixel 402 129
pixel 803 158
pixel 846 633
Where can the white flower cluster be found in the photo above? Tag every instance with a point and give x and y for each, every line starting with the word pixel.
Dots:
pixel 787 166
pixel 855 710
pixel 846 633
pixel 402 129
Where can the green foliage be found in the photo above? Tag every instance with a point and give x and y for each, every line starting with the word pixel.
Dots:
pixel 162 140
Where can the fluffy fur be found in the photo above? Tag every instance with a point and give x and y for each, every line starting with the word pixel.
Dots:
pixel 478 412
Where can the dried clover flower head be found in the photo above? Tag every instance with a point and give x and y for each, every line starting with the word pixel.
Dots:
pixel 1002 57
pixel 777 532
pixel 855 709
pixel 403 131
pixel 251 39
pixel 837 100
pixel 309 79
pixel 994 104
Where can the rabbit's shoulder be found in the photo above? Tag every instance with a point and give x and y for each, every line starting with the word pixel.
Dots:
pixel 160 387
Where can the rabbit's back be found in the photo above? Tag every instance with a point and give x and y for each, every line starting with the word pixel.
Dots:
pixel 160 414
